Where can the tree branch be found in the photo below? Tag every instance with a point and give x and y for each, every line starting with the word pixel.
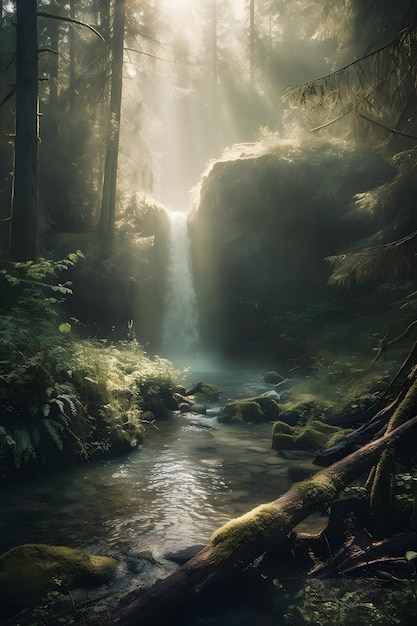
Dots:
pixel 391 130
pixel 71 21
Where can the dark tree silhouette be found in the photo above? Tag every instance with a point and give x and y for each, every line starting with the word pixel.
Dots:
pixel 108 207
pixel 23 238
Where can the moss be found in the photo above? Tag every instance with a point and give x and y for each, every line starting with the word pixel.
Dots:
pixel 206 392
pixel 239 534
pixel 321 489
pixel 386 466
pixel 307 405
pixel 282 428
pixel 381 482
pixel 283 441
pixel 405 410
pixel 315 435
pixel 257 409
pixel 29 571
pixel 309 438
pixel 324 428
pixel 241 411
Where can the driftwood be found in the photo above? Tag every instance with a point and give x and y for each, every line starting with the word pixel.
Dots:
pixel 360 556
pixel 239 542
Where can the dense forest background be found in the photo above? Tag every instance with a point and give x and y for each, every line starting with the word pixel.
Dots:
pixel 287 132
pixel 288 128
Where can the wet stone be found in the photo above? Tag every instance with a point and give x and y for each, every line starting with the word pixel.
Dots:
pixel 257 449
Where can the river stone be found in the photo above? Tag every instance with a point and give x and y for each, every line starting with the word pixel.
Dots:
pixel 184 555
pixel 278 471
pixel 29 571
pixel 258 449
pixel 302 471
pixel 273 377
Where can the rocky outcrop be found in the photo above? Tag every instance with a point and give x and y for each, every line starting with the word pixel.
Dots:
pixel 266 219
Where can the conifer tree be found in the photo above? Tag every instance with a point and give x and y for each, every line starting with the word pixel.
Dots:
pixel 23 239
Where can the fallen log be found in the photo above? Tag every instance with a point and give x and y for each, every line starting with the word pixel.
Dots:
pixel 239 542
pixel 360 556
pixel 357 438
pixel 366 432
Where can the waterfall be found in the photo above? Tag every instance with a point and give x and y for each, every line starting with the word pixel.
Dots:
pixel 180 332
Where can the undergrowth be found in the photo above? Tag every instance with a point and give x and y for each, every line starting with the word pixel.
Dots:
pixel 63 398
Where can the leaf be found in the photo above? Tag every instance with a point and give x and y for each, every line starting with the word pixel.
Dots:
pixel 410 555
pixel 64 328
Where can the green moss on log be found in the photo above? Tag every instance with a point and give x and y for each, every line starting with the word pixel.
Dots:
pixel 240 534
pixel 321 489
pixel 380 491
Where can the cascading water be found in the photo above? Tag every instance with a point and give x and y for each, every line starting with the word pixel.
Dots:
pixel 180 333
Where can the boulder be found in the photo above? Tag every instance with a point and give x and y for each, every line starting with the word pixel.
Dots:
pixel 29 571
pixel 273 378
pixel 313 436
pixel 259 409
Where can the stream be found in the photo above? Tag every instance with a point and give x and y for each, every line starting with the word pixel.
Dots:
pixel 191 475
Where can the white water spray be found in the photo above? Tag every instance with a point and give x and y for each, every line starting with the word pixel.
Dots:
pixel 180 333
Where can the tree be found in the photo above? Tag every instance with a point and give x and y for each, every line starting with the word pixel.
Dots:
pixel 252 35
pixel 377 88
pixel 108 207
pixel 23 238
pixel 378 93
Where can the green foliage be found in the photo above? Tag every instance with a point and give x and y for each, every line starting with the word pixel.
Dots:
pixel 388 254
pixel 341 604
pixel 62 398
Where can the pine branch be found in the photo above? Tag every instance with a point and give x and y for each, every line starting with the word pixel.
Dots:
pixel 71 20
pixel 391 130
pixel 386 262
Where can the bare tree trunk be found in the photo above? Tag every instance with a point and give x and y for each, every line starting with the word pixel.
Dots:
pixel 252 41
pixel 23 237
pixel 54 31
pixel 234 546
pixel 215 72
pixel 72 58
pixel 108 208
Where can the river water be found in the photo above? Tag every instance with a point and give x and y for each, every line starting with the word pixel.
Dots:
pixel 190 476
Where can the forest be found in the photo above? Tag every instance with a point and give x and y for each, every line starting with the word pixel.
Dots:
pixel 208 352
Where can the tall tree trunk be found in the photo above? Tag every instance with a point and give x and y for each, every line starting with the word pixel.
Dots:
pixel 215 71
pixel 104 17
pixel 23 237
pixel 53 27
pixel 108 207
pixel 72 52
pixel 252 41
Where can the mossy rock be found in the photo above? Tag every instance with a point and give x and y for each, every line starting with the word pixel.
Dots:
pixel 307 406
pixel 259 409
pixel 309 438
pixel 206 392
pixel 29 571
pixel 314 436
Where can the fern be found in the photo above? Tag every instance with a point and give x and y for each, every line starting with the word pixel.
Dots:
pixel 56 431
pixel 24 449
